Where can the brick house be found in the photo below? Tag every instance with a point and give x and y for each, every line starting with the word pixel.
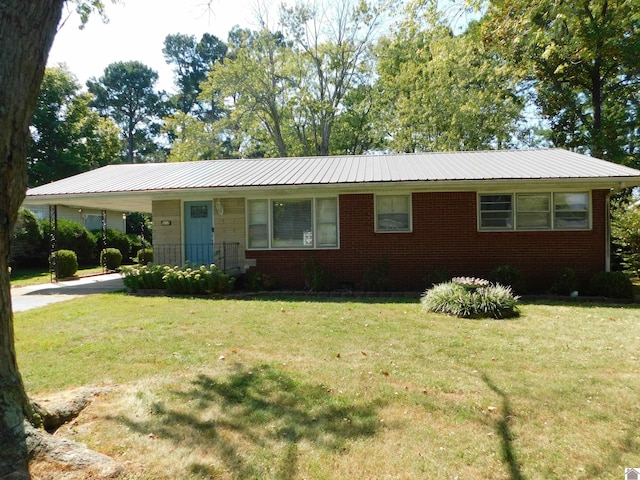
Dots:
pixel 463 212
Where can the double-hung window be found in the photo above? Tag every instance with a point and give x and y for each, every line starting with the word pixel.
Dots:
pixel 393 213
pixel 292 223
pixel 534 211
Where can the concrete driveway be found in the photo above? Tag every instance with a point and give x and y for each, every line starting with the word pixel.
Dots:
pixel 34 296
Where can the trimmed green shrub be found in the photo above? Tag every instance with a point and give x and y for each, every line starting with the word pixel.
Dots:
pixel 611 284
pixel 145 277
pixel 144 256
pixel 73 236
pixel 64 263
pixel 119 240
pixel 565 282
pixel 509 276
pixel 186 280
pixel 110 258
pixel 471 298
pixel 198 281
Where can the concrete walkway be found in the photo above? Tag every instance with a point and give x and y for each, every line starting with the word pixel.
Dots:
pixel 34 296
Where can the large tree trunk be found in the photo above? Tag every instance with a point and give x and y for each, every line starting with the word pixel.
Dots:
pixel 27 29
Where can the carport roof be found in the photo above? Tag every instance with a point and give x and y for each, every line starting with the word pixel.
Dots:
pixel 130 187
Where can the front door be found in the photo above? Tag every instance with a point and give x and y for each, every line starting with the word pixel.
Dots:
pixel 198 232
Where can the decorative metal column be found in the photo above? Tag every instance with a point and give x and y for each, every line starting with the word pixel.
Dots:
pixel 104 239
pixel 53 243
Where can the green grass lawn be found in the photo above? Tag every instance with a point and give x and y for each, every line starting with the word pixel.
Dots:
pixel 292 389
pixel 35 276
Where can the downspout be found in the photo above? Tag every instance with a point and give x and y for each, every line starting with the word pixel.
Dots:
pixel 607 234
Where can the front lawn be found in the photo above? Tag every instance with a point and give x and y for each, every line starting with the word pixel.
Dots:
pixel 293 389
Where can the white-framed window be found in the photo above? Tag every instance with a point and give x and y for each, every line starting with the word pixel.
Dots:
pixel 393 213
pixel 571 211
pixel 292 223
pixel 534 211
pixel 496 212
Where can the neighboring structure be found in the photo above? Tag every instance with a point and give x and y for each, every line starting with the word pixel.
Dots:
pixel 464 212
pixel 90 218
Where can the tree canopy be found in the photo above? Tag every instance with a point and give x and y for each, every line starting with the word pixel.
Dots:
pixel 126 94
pixel 68 137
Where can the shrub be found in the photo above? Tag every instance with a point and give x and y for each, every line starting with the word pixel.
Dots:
pixel 144 256
pixel 110 258
pixel 258 281
pixel 611 284
pixel 437 275
pixel 146 277
pixel 509 276
pixel 186 280
pixel 471 298
pixel 73 236
pixel 198 281
pixel 29 248
pixel 625 234
pixel 316 277
pixel 565 282
pixel 121 241
pixel 376 278
pixel 64 263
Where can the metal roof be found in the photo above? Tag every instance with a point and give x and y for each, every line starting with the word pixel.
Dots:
pixel 431 170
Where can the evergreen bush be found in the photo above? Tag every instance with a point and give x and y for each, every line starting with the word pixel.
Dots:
pixel 64 263
pixel 75 237
pixel 144 256
pixel 29 248
pixel 565 282
pixel 509 276
pixel 611 284
pixel 316 277
pixel 110 258
pixel 471 298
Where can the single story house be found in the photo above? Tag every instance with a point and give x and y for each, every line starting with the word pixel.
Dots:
pixel 413 214
pixel 90 218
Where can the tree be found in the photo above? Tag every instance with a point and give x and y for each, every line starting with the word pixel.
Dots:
pixel 582 58
pixel 439 91
pixel 333 41
pixel 125 93
pixel 68 137
pixel 27 30
pixel 254 78
pixel 191 61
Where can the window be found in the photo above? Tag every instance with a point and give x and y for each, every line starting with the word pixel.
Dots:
pixel 258 219
pixel 534 211
pixel 393 213
pixel 496 212
pixel 571 210
pixel 292 223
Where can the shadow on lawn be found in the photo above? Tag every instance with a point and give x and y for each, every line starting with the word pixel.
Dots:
pixel 261 410
pixel 503 429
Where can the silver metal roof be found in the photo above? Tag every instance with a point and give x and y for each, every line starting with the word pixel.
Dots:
pixel 126 185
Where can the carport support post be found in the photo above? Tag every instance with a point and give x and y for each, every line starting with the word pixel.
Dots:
pixel 53 242
pixel 104 240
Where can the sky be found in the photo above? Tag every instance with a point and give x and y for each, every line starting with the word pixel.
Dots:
pixel 136 31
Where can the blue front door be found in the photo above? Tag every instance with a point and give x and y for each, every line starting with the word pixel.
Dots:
pixel 198 232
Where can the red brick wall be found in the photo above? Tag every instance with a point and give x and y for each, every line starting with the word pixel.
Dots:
pixel 445 235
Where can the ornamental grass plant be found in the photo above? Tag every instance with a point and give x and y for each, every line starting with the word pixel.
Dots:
pixel 467 297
